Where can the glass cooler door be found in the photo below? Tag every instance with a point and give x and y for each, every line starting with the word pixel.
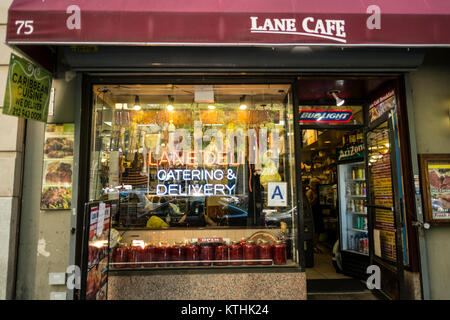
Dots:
pixel 353 213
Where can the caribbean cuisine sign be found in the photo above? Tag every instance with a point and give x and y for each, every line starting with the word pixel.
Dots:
pixel 27 90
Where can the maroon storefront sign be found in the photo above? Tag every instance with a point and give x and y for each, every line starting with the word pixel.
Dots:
pixel 231 22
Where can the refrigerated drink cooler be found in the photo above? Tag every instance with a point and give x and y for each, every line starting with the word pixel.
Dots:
pixel 353 218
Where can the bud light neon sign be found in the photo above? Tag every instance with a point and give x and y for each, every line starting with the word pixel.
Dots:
pixel 325 116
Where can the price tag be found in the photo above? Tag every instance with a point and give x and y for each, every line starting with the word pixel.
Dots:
pixel 101 218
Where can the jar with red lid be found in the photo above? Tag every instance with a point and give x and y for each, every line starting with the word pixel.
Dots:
pixel 207 253
pixel 265 252
pixel 135 256
pixel 149 255
pixel 279 253
pixel 192 253
pixel 250 253
pixel 120 256
pixel 162 254
pixel 177 254
pixel 236 255
pixel 221 255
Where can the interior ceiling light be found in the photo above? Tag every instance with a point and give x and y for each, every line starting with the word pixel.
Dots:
pixel 170 106
pixel 339 101
pixel 211 107
pixel 242 105
pixel 137 104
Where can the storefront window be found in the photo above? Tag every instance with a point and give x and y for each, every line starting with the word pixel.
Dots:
pixel 197 165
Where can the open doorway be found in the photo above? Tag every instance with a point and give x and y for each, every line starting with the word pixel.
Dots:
pixel 333 178
pixel 334 117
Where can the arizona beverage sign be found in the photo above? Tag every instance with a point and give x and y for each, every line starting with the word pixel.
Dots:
pixel 27 90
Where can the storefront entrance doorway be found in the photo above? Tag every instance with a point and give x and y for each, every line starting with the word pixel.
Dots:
pixel 351 178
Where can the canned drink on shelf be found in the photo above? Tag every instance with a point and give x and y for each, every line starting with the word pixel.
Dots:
pixel 360 174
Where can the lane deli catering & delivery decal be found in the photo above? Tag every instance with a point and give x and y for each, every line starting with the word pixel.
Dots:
pixel 27 90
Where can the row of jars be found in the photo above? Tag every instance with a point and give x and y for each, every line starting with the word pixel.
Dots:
pixel 205 254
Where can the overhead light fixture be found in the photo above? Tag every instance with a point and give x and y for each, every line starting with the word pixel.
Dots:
pixel 242 105
pixel 137 104
pixel 339 101
pixel 211 107
pixel 170 106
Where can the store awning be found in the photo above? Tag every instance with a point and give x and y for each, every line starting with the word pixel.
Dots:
pixel 230 22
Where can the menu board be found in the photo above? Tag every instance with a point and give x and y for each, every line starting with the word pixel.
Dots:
pixel 57 168
pixel 382 192
pixel 99 217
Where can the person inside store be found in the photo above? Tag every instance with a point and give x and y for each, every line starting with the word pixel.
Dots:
pixel 313 197
pixel 155 222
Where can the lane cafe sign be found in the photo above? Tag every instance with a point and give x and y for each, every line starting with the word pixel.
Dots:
pixel 27 90
pixel 309 26
pixel 325 116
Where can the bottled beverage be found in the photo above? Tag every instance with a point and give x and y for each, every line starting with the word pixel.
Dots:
pixel 279 253
pixel 356 242
pixel 265 252
pixel 221 255
pixel 357 189
pixel 351 244
pixel 236 254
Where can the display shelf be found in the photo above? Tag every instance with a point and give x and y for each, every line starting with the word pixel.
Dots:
pixel 357 252
pixel 358 213
pixel 355 196
pixel 358 230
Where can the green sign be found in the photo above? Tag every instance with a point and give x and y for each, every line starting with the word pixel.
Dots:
pixel 350 152
pixel 27 90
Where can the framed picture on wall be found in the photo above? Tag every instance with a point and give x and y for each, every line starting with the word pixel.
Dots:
pixel 435 186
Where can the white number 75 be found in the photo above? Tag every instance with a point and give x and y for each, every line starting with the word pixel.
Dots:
pixel 28 24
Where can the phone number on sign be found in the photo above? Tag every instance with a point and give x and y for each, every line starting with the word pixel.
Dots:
pixel 18 112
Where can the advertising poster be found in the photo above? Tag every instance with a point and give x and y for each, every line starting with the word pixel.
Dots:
pixel 439 178
pixel 382 105
pixel 57 167
pixel 27 90
pixel 99 217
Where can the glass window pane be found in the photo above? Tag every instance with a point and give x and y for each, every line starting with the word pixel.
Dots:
pixel 185 157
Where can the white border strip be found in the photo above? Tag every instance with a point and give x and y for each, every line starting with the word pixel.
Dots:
pixel 227 44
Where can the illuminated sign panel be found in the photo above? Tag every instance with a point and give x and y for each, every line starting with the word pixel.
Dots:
pixel 325 116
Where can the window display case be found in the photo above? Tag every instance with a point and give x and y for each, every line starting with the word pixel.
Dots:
pixel 196 169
